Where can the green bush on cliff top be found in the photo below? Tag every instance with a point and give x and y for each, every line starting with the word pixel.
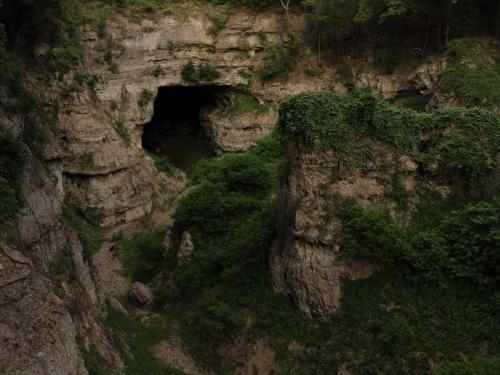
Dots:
pixel 338 121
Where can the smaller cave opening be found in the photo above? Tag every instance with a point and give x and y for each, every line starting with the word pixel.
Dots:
pixel 174 130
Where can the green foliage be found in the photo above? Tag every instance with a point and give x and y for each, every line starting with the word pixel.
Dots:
pixel 122 131
pixel 189 72
pixel 144 255
pixel 228 188
pixel 461 244
pixel 219 320
pixel 114 68
pixel 478 366
pixel 157 71
pixel 204 72
pixel 94 362
pixel 469 149
pixel 230 213
pixel 243 103
pixel 219 17
pixel 393 324
pixel 87 233
pixel 113 105
pixel 144 98
pixel 470 74
pixel 138 339
pixel 279 60
pixel 207 72
pixel 371 232
pixel 163 164
pixel 399 194
pixel 65 59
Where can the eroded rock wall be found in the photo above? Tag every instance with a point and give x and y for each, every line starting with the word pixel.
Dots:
pixel 112 177
pixel 307 260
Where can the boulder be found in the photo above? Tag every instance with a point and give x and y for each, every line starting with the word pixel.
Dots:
pixel 140 294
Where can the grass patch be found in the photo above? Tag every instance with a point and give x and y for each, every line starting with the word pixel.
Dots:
pixel 162 163
pixel 244 103
pixel 122 131
pixel 144 98
pixel 139 339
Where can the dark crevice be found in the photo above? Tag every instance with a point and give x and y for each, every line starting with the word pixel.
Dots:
pixel 174 130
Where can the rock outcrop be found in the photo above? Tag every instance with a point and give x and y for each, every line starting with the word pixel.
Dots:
pixel 306 261
pixel 186 248
pixel 49 307
pixel 236 133
pixel 141 294
pixel 97 163
pixel 111 177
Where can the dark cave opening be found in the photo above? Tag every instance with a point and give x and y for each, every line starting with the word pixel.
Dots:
pixel 174 130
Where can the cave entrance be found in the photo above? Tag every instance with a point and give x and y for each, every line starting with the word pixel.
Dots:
pixel 174 130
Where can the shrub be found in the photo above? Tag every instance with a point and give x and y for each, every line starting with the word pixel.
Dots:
pixel 371 232
pixel 462 245
pixel 144 255
pixel 469 149
pixel 122 131
pixel 189 72
pixel 207 72
pixel 243 173
pixel 157 71
pixel 211 208
pixel 144 98
pixel 64 59
pixel 114 68
pixel 113 105
pixel 163 164
pixel 472 237
pixel 470 76
pixel 204 72
pixel 219 321
pixel 219 18
pixel 279 60
pixel 243 103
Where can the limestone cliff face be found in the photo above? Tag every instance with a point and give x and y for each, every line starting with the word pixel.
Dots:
pixel 307 260
pixel 41 312
pixel 114 178
pixel 111 179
